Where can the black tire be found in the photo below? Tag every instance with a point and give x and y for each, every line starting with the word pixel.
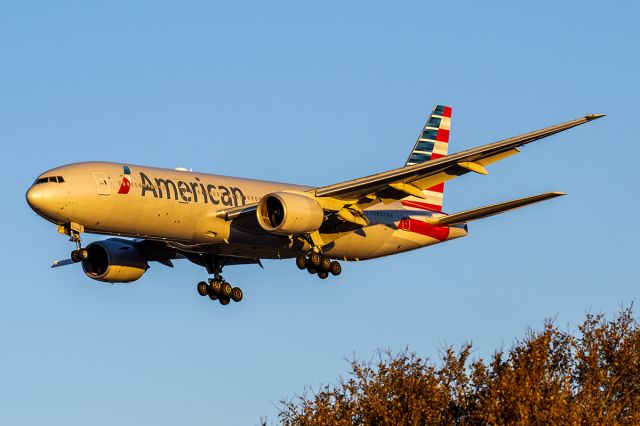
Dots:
pixel 215 286
pixel 202 288
pixel 75 256
pixel 335 268
pixel 236 294
pixel 325 263
pixel 226 290
pixel 301 262
pixel 83 254
pixel 311 269
pixel 323 275
pixel 315 259
pixel 224 301
pixel 212 294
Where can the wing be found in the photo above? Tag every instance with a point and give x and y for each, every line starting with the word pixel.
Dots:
pixel 398 183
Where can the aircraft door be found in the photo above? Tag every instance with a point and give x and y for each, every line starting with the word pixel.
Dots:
pixel 102 183
pixel 405 224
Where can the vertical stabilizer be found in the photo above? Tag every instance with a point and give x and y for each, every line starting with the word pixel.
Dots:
pixel 433 143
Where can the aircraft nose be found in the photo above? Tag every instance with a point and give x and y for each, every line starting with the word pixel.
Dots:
pixel 35 197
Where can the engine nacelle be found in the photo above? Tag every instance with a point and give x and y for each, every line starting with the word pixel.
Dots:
pixel 114 260
pixel 288 213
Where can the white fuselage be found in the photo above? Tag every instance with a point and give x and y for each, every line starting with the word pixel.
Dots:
pixel 180 206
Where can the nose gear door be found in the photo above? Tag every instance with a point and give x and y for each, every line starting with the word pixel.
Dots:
pixel 102 183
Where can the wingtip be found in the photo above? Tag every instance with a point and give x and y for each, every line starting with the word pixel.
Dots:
pixel 594 116
pixel 558 193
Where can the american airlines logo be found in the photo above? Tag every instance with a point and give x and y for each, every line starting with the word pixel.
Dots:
pixel 186 192
pixel 125 186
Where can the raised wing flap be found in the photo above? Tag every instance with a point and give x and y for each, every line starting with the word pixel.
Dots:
pixel 486 211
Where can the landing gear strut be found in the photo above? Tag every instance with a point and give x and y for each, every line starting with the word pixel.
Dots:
pixel 73 230
pixel 316 263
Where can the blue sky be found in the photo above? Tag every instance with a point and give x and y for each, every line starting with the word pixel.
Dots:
pixel 315 94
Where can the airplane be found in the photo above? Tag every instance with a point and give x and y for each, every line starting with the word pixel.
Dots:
pixel 217 221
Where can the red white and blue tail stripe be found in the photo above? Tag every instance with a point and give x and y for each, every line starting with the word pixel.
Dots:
pixel 433 143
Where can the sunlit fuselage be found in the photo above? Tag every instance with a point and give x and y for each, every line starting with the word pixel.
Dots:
pixel 181 206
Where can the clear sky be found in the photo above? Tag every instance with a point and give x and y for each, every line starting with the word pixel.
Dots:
pixel 315 94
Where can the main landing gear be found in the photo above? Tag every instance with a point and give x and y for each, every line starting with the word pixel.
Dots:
pixel 316 263
pixel 217 288
pixel 220 290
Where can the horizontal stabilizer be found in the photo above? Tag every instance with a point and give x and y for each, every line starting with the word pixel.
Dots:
pixel 491 210
pixel 57 263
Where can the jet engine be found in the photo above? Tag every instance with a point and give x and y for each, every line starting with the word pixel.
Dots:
pixel 114 260
pixel 289 213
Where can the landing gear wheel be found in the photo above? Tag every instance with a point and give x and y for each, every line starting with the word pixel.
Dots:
pixel 226 291
pixel 335 268
pixel 75 256
pixel 301 262
pixel 315 259
pixel 212 294
pixel 215 286
pixel 236 294
pixel 202 288
pixel 323 275
pixel 83 254
pixel 224 301
pixel 311 269
pixel 325 263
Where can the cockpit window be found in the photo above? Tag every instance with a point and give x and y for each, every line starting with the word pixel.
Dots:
pixel 55 179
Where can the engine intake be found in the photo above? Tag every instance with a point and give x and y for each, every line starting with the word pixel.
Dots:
pixel 288 213
pixel 114 260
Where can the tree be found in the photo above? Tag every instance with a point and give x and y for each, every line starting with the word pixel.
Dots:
pixel 548 377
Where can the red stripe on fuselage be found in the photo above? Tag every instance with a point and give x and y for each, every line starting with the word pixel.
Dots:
pixel 440 233
pixel 421 205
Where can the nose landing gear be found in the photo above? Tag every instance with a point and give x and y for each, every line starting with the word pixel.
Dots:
pixel 79 255
pixel 73 230
pixel 315 263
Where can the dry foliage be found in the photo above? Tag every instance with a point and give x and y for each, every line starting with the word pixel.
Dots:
pixel 549 377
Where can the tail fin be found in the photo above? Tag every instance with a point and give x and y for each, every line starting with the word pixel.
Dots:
pixel 433 143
